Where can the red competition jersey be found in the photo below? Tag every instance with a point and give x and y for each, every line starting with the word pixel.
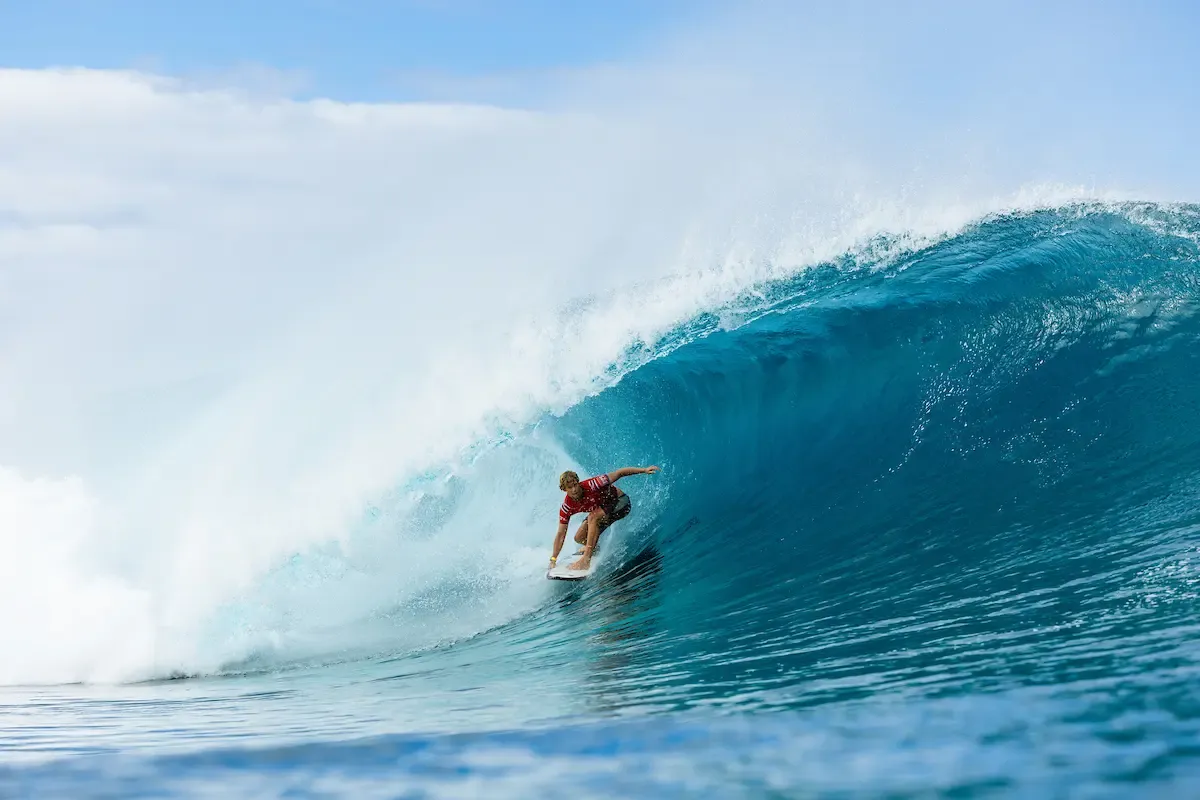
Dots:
pixel 598 492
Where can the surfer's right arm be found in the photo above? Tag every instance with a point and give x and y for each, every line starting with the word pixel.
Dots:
pixel 559 538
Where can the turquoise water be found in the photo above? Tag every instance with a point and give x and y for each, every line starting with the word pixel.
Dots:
pixel 927 524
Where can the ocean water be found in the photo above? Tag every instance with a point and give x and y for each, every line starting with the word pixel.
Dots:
pixel 928 524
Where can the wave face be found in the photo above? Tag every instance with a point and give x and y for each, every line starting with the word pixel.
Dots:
pixel 936 510
pixel 972 467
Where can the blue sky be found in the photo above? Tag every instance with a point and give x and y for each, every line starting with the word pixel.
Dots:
pixel 398 49
pixel 349 49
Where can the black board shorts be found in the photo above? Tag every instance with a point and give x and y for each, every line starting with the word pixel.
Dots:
pixel 618 510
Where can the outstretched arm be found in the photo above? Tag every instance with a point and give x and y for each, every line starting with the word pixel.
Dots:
pixel 617 474
pixel 559 538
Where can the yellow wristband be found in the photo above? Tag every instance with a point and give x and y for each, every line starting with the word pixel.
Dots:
pixel 553 559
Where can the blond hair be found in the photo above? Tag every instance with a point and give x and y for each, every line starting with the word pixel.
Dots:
pixel 567 480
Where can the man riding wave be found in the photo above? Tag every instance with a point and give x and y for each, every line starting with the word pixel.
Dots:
pixel 603 502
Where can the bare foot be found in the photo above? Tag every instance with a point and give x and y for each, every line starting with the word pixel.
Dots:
pixel 582 563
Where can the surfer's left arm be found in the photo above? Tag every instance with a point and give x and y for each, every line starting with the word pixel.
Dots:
pixel 617 474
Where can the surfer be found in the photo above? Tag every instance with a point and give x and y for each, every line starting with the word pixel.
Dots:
pixel 603 502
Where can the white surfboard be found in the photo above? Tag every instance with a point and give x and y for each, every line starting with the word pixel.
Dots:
pixel 559 571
